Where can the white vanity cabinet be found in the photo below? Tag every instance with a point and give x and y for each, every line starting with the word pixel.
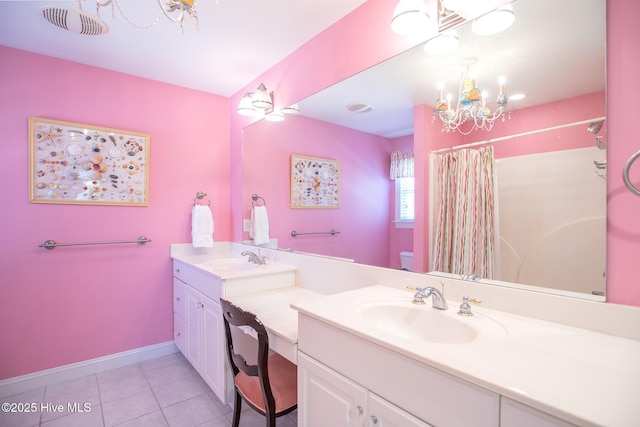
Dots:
pixel 198 325
pixel 339 372
pixel 179 314
pixel 326 398
pixel 198 322
pixel 205 340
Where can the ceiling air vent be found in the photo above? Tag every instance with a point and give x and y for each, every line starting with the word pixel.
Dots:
pixel 359 107
pixel 76 21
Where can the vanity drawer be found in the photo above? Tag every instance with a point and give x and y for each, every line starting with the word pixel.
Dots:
pixel 179 270
pixel 179 333
pixel 179 298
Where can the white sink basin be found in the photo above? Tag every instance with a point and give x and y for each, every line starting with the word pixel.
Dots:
pixel 226 268
pixel 419 322
pixel 232 264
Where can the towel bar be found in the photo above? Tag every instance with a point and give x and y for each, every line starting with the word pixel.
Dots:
pixel 51 244
pixel 294 233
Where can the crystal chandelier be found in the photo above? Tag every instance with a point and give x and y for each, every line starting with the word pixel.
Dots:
pixel 174 10
pixel 177 11
pixel 471 112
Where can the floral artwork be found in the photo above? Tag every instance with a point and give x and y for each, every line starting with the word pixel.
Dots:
pixel 315 183
pixel 81 164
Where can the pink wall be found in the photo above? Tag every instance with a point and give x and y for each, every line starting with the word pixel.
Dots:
pixel 623 110
pixel 76 303
pixel 362 219
pixel 400 239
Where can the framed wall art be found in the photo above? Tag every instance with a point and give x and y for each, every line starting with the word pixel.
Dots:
pixel 315 182
pixel 83 164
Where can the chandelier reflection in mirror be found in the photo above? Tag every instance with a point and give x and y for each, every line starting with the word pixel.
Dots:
pixel 471 111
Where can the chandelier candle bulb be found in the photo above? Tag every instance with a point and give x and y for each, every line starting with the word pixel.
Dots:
pixel 501 82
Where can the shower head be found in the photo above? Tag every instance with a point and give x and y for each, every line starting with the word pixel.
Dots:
pixel 594 127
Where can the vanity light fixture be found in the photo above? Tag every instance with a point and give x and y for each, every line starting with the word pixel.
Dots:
pixel 260 102
pixel 494 22
pixel 261 98
pixel 471 111
pixel 410 17
pixel 245 108
pixel 275 116
pixel 291 110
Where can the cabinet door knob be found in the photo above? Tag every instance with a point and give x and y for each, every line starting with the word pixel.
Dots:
pixel 360 410
pixel 178 334
pixel 374 419
pixel 177 298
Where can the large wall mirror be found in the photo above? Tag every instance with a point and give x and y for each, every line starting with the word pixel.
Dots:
pixel 551 169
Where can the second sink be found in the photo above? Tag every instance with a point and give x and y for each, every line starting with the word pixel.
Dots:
pixel 418 322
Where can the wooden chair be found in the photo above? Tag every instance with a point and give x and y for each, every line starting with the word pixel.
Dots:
pixel 270 386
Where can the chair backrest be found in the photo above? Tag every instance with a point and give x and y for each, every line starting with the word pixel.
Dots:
pixel 234 315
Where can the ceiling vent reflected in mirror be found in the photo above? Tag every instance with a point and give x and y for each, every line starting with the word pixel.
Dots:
pixel 359 107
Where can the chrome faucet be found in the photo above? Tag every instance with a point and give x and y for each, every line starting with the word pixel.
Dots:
pixel 255 258
pixel 437 298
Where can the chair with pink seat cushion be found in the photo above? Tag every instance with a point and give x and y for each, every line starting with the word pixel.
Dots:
pixel 269 386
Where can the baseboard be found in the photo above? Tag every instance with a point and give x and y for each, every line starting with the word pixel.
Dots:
pixel 47 377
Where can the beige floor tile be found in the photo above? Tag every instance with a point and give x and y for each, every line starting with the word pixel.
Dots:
pixel 178 391
pixel 118 385
pixel 80 419
pixel 22 416
pixel 130 407
pixel 192 412
pixel 71 396
pixel 155 419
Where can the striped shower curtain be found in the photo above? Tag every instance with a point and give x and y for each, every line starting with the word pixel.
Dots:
pixel 466 229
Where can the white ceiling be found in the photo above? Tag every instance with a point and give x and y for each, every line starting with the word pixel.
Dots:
pixel 237 40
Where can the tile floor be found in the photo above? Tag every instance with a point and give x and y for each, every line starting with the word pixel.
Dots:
pixel 162 392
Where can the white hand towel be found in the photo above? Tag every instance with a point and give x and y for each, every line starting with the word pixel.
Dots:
pixel 202 227
pixel 259 225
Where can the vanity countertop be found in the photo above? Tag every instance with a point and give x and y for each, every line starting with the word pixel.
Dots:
pixel 222 265
pixel 584 377
pixel 273 308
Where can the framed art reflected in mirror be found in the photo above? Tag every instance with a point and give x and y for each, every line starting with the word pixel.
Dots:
pixel 315 182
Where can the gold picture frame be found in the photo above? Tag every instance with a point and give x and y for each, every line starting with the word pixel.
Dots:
pixel 315 182
pixel 72 163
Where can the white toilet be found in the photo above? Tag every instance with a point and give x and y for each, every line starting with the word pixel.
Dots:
pixel 406 260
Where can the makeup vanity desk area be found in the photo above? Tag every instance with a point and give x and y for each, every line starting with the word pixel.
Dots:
pixel 281 321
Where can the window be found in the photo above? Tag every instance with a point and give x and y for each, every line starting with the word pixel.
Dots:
pixel 405 202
